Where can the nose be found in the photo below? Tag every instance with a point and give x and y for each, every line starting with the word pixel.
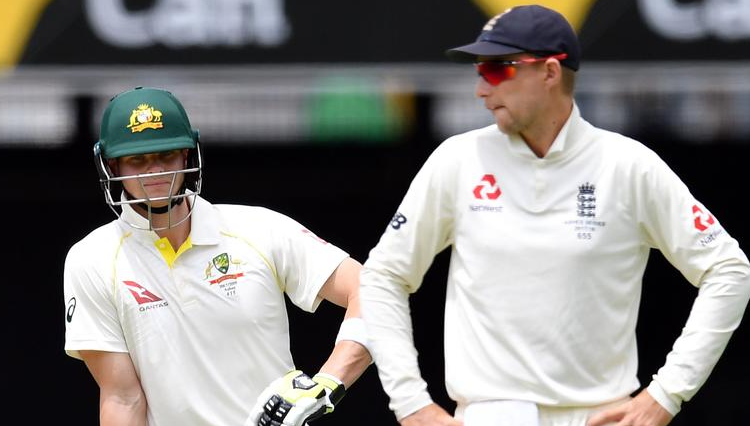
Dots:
pixel 482 89
pixel 154 164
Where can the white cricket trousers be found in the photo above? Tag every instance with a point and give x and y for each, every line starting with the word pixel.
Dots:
pixel 572 416
pixel 515 413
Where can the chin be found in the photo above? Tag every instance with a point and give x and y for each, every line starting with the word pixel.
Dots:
pixel 506 129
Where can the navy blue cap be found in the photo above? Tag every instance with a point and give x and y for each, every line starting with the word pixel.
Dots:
pixel 523 29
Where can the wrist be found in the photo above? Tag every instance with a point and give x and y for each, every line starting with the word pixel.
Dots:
pixel 661 396
pixel 353 329
pixel 335 387
pixel 411 405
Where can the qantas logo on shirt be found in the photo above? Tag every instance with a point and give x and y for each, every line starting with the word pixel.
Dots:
pixel 140 293
pixel 487 188
pixel 146 300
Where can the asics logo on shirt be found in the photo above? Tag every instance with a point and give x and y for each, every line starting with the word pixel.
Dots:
pixel 71 309
pixel 140 294
pixel 487 188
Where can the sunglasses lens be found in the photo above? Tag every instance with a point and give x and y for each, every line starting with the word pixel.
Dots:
pixel 495 73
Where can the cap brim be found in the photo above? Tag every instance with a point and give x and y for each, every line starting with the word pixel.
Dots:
pixel 471 52
pixel 149 146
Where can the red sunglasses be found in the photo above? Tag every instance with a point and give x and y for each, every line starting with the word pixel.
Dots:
pixel 496 72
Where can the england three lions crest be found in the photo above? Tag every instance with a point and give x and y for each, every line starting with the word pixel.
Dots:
pixel 586 200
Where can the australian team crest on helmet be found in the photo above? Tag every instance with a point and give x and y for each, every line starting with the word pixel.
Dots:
pixel 145 117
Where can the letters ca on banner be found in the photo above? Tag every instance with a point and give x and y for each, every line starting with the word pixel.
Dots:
pixel 275 31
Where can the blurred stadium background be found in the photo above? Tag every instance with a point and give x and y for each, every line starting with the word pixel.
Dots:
pixel 324 111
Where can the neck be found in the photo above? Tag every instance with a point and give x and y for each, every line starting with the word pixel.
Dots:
pixel 542 134
pixel 176 234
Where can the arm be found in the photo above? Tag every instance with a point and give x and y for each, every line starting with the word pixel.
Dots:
pixel 349 358
pixel 295 399
pixel 421 228
pixel 695 243
pixel 715 315
pixel 121 400
pixel 388 315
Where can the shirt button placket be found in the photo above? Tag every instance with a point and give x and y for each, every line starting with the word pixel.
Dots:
pixel 540 184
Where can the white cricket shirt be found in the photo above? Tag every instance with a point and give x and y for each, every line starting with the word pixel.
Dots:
pixel 547 258
pixel 208 333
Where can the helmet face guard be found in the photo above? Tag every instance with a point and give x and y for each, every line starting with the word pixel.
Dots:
pixel 116 196
pixel 148 120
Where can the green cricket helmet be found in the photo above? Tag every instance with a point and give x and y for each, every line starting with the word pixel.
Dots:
pixel 147 120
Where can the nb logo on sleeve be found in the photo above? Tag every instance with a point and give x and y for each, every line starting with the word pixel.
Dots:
pixel 397 221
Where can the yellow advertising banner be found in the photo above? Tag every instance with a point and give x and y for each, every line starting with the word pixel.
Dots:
pixel 575 11
pixel 17 21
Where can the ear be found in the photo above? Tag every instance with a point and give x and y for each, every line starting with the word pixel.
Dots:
pixel 113 166
pixel 185 154
pixel 553 73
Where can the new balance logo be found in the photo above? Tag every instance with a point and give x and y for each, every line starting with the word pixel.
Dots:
pixel 397 221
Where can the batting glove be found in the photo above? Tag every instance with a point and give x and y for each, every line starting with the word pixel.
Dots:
pixel 295 399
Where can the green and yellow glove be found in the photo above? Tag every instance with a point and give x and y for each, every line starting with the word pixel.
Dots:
pixel 295 399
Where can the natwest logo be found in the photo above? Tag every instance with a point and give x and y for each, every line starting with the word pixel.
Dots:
pixel 487 188
pixel 703 220
pixel 141 294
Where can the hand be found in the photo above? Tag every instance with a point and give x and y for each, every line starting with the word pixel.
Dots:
pixel 643 410
pixel 430 415
pixel 295 399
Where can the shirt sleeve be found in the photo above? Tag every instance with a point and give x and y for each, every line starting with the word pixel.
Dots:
pixel 693 241
pixel 421 228
pixel 91 319
pixel 303 260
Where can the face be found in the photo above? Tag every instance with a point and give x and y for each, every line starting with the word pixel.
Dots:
pixel 144 164
pixel 516 103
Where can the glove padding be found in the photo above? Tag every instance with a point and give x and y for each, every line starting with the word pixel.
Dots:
pixel 295 399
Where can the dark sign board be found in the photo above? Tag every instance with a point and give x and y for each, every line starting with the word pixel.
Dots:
pixel 109 32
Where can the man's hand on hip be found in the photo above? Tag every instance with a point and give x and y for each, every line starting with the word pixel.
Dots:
pixel 643 410
pixel 430 415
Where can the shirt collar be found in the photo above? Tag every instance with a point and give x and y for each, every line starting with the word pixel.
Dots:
pixel 204 222
pixel 566 139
